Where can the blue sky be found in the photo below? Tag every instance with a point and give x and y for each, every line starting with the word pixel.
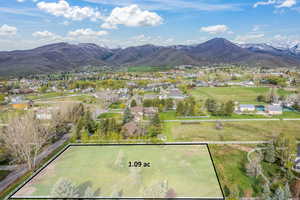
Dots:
pixel 27 24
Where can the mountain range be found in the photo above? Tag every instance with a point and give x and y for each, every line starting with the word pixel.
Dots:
pixel 65 57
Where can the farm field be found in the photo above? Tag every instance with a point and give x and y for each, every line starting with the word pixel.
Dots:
pixel 240 94
pixel 175 170
pixel 231 131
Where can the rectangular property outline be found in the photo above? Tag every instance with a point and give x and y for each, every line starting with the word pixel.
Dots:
pixel 10 196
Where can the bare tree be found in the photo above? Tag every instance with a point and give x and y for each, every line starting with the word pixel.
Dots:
pixel 24 138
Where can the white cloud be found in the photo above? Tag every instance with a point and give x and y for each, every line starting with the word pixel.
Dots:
pixel 132 16
pixel 264 3
pixel 43 34
pixel 249 38
pixel 63 8
pixel 216 29
pixel 287 4
pixel 6 30
pixel 87 33
pixel 277 3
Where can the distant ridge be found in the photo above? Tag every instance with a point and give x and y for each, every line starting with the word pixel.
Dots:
pixel 64 57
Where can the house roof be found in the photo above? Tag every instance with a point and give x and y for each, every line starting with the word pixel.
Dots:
pixel 274 108
pixel 247 106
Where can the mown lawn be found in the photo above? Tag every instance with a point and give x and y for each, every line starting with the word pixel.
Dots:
pixel 230 165
pixel 236 131
pixel 240 94
pixel 110 115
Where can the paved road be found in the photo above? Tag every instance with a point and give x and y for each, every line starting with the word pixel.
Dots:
pixel 231 120
pixel 22 169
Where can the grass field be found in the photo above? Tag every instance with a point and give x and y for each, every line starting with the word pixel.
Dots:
pixel 186 170
pixel 236 131
pixel 240 94
pixel 171 115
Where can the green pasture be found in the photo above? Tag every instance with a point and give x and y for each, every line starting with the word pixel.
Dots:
pixel 240 94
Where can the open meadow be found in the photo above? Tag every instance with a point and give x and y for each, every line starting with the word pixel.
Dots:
pixel 240 94
pixel 230 131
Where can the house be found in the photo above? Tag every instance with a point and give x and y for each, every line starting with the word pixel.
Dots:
pixel 137 112
pixel 150 111
pixel 246 108
pixel 131 129
pixel 273 109
pixel 150 96
pixel 174 93
pixel 201 84
pixel 107 96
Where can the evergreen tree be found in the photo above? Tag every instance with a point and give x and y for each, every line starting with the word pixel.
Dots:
pixel 279 194
pixel 180 110
pixel 211 105
pixel 269 153
pixel 229 108
pixel 133 103
pixel 287 191
pixel 127 116
pixel 266 191
pixel 155 126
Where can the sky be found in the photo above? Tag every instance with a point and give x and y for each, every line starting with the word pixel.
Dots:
pixel 26 24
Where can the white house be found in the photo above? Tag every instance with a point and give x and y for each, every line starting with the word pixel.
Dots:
pixel 246 108
pixel 273 109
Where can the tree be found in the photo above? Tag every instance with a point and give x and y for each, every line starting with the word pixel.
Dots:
pixel 266 191
pixel 133 103
pixel 155 126
pixel 287 191
pixel 84 135
pixel 286 147
pixel 261 98
pixel 279 194
pixel 253 168
pixel 211 105
pixel 269 154
pixel 24 137
pixel 64 188
pixel 229 108
pixel 180 110
pixel 127 116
